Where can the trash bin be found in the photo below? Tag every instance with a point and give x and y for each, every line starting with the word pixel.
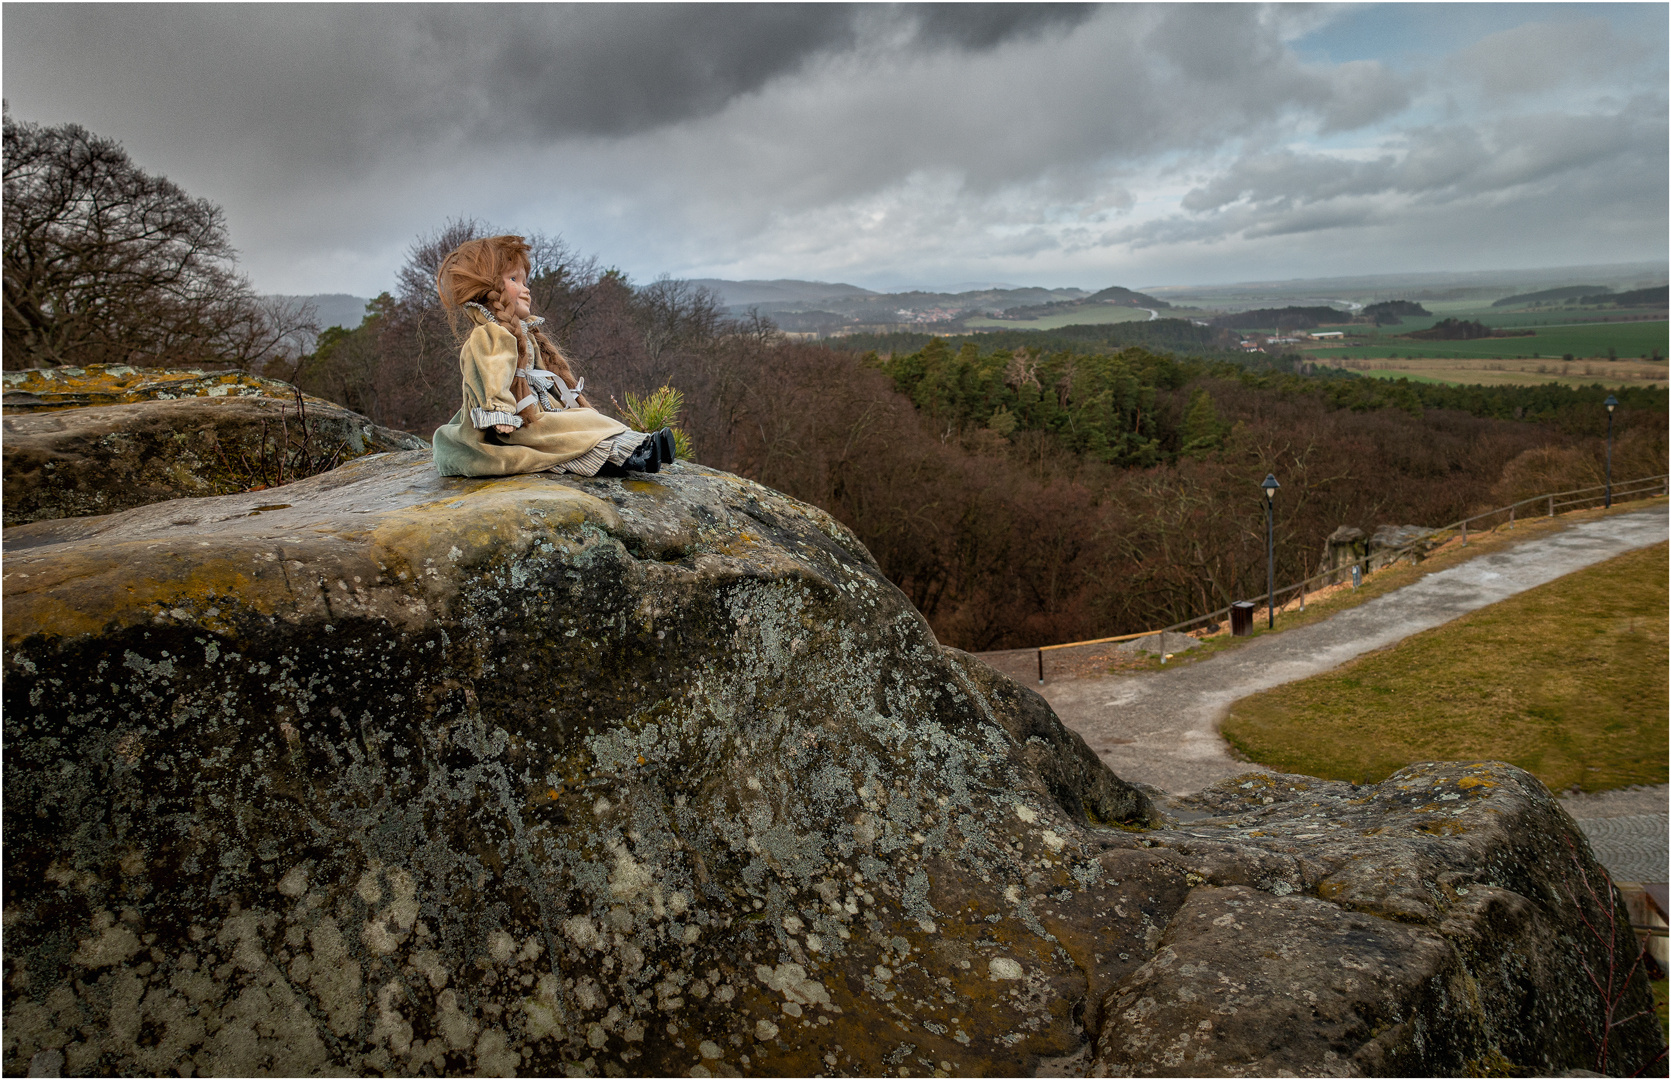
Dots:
pixel 1241 618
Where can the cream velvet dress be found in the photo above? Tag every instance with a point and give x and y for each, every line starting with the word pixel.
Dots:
pixel 567 437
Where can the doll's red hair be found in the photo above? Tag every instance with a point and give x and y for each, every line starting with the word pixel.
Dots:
pixel 473 272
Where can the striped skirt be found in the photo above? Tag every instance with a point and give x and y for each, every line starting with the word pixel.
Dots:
pixel 614 450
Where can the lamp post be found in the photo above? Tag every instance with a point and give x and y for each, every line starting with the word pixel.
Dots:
pixel 1270 485
pixel 1611 403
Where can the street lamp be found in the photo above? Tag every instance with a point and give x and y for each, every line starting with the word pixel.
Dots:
pixel 1270 485
pixel 1611 403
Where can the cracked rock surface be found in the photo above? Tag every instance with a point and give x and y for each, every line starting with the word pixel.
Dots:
pixel 383 772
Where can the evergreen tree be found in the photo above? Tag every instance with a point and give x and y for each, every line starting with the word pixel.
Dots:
pixel 1203 431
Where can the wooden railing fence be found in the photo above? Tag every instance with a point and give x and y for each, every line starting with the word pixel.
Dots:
pixel 1646 487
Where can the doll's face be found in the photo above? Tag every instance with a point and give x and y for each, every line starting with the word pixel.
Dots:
pixel 514 293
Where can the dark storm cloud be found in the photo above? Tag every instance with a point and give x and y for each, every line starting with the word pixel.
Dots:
pixel 330 80
pixel 986 26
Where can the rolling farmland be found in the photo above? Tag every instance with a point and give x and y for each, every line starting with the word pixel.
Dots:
pixel 1084 316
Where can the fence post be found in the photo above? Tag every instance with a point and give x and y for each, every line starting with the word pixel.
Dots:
pixel 1041 667
pixel 1511 517
pixel 1551 506
pixel 1464 534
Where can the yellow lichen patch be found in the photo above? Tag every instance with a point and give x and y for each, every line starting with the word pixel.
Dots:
pixel 646 487
pixel 1474 781
pixel 90 591
pixel 43 390
pixel 502 519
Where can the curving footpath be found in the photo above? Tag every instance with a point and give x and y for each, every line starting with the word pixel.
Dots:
pixel 1162 728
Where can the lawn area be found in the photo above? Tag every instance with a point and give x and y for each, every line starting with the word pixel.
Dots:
pixel 1567 681
pixel 1084 316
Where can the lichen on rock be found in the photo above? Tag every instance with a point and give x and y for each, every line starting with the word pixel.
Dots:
pixel 98 440
pixel 552 775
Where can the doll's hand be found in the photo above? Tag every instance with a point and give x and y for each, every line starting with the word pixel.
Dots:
pixel 504 429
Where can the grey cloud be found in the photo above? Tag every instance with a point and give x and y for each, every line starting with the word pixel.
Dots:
pixel 1130 84
pixel 986 26
pixel 1285 192
pixel 794 139
pixel 1362 92
pixel 1535 57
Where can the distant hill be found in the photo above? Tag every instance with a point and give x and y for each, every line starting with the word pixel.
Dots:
pixel 335 309
pixel 779 291
pixel 1482 286
pixel 332 309
pixel 1114 294
pixel 1565 292
pixel 1174 335
pixel 1658 296
pixel 1392 312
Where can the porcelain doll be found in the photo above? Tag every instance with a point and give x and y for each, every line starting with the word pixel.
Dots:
pixel 523 410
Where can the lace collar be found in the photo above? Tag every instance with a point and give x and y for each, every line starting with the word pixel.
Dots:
pixel 527 324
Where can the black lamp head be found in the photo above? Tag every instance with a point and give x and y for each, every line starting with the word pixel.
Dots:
pixel 1270 485
pixel 1611 403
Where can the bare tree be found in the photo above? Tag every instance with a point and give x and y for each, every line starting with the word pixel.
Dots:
pixel 104 263
pixel 674 314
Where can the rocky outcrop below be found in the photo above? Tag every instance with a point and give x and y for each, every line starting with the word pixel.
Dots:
pixel 384 772
pixel 99 440
pixel 1390 544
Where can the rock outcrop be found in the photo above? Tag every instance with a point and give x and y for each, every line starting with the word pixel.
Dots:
pixel 1393 543
pixel 1390 544
pixel 99 440
pixel 53 389
pixel 388 773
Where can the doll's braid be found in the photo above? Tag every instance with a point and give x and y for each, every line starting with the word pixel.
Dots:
pixel 556 362
pixel 495 302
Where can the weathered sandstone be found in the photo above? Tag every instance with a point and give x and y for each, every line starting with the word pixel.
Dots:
pixel 96 441
pixel 382 772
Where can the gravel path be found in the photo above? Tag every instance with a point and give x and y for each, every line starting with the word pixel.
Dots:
pixel 1628 830
pixel 1161 728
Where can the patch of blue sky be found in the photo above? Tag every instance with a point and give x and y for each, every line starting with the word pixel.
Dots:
pixel 1413 35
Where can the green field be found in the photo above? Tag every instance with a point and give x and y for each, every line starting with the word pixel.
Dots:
pixel 1582 340
pixel 1085 316
pixel 1567 680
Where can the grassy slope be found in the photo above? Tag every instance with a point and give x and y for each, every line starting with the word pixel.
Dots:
pixel 1568 681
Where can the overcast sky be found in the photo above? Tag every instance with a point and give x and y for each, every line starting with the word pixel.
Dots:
pixel 886 146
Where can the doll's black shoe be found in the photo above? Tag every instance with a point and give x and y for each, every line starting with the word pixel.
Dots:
pixel 665 446
pixel 644 459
